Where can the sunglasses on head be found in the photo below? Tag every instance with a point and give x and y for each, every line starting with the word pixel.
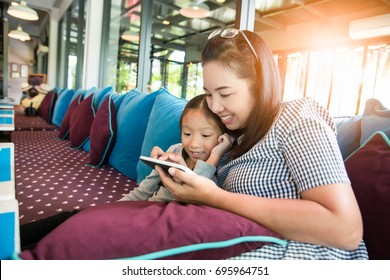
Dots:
pixel 231 33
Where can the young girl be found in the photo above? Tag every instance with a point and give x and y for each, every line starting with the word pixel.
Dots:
pixel 203 142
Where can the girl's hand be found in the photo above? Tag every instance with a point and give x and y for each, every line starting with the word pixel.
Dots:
pixel 225 142
pixel 157 152
pixel 188 188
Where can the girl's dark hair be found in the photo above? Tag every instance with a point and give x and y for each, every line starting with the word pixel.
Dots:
pixel 263 77
pixel 32 92
pixel 199 102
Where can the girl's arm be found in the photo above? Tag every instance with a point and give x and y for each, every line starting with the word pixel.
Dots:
pixel 145 189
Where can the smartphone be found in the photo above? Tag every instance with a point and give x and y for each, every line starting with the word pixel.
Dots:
pixel 152 162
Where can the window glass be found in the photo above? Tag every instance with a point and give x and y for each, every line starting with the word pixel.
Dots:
pixel 342 79
pixel 71 45
pixel 194 80
pixel 174 76
pixel 294 84
pixel 346 81
pixel 62 46
pixel 319 76
pixel 382 84
pixel 121 48
pixel 157 75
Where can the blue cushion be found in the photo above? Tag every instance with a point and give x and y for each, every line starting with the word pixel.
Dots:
pixel 348 134
pixel 77 93
pixel 132 120
pixel 117 99
pixel 61 106
pixel 99 96
pixel 87 146
pixel 163 128
pixel 90 91
pixel 376 117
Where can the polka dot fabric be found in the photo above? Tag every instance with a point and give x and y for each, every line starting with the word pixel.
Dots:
pixel 23 122
pixel 51 178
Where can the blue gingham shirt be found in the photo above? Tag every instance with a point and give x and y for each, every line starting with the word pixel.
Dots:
pixel 298 153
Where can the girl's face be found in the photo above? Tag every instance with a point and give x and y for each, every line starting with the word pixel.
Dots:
pixel 228 96
pixel 199 135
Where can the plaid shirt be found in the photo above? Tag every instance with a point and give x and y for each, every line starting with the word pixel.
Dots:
pixel 298 153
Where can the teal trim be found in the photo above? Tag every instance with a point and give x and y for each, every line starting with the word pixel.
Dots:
pixel 15 257
pixel 92 107
pixel 209 245
pixel 198 247
pixel 82 144
pixel 65 136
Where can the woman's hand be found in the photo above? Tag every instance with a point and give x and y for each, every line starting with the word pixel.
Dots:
pixel 189 188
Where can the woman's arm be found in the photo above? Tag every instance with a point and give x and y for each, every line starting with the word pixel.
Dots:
pixel 326 215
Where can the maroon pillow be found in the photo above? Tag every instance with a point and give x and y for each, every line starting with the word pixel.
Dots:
pixel 44 108
pixel 103 132
pixel 65 125
pixel 369 171
pixel 47 106
pixel 125 229
pixel 81 122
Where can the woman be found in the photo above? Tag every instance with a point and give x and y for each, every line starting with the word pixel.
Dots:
pixel 286 172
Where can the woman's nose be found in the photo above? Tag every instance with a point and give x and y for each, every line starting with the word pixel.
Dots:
pixel 215 106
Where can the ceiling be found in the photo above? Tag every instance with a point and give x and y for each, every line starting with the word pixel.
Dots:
pixel 183 32
pixel 36 29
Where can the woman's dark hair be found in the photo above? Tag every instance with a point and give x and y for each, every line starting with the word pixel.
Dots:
pixel 199 102
pixel 263 76
pixel 32 92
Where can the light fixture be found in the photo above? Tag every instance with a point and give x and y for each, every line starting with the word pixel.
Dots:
pixel 193 10
pixel 42 49
pixel 370 27
pixel 22 11
pixel 130 36
pixel 18 33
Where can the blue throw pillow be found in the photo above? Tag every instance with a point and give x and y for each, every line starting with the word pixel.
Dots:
pixel 163 128
pixel 348 134
pixel 376 117
pixel 118 99
pixel 87 146
pixel 61 106
pixel 90 91
pixel 132 120
pixel 99 96
pixel 77 93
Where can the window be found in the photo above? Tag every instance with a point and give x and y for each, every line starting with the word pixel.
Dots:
pixel 339 79
pixel 120 54
pixel 194 80
pixel 71 45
